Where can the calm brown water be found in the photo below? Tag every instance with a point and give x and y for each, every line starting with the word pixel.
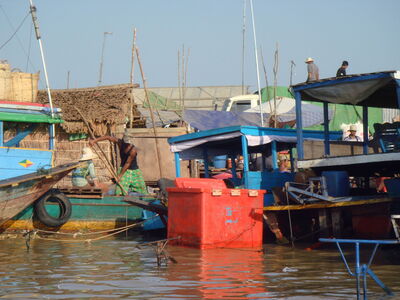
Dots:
pixel 116 268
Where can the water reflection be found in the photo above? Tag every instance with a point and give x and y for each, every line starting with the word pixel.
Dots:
pixel 118 269
pixel 218 273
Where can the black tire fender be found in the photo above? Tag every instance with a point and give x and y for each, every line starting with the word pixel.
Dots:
pixel 64 204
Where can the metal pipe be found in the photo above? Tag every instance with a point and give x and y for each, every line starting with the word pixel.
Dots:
pixel 243 41
pixel 326 129
pixel 256 57
pixel 38 37
pixel 245 154
pixel 365 130
pixel 177 165
pixel 1 133
pixel 299 127
pixel 274 156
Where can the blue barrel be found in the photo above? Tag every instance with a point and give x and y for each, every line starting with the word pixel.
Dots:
pixel 337 183
pixel 220 161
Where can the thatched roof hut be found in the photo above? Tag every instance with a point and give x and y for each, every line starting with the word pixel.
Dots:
pixel 105 108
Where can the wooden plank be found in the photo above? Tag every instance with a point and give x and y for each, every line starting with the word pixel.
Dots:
pixel 156 208
pixel 327 205
pixel 75 190
pixel 85 196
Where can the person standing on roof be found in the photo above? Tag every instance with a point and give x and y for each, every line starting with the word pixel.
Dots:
pixel 312 70
pixel 342 70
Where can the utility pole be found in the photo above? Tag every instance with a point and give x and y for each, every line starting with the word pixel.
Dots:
pixel 292 66
pixel 102 57
pixel 68 80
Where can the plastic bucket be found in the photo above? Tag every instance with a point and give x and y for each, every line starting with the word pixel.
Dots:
pixel 220 161
pixel 337 183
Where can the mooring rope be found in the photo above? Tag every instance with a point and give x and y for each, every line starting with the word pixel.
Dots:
pixel 74 235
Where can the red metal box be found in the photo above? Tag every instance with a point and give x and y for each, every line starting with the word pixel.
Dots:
pixel 211 183
pixel 215 218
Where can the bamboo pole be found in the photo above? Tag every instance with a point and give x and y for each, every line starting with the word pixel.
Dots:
pixel 266 81
pixel 104 158
pixel 185 77
pixel 276 68
pixel 132 76
pixel 179 82
pixel 151 112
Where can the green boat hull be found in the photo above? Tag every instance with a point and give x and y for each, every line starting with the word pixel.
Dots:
pixel 88 214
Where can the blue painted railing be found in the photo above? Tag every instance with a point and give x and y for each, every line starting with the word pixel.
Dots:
pixel 361 271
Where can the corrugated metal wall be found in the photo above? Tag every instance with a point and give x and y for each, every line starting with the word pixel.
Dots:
pixel 389 113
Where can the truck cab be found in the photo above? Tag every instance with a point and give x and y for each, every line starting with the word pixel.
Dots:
pixel 240 103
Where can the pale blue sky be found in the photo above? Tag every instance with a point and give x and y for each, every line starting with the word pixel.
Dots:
pixel 364 32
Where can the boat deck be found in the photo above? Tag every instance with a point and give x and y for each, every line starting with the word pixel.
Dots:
pixel 328 204
pixel 386 164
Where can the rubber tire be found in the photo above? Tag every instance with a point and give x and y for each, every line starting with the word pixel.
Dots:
pixel 65 209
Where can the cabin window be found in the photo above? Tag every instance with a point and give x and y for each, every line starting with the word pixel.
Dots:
pixel 25 135
pixel 241 106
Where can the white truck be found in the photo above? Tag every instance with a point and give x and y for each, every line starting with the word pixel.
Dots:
pixel 240 103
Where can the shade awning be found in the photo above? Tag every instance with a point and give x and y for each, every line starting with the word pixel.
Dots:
pixel 372 89
pixel 228 140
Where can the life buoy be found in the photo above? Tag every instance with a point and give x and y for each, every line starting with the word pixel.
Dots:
pixel 65 209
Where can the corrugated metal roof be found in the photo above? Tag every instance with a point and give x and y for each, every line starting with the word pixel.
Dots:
pixel 201 97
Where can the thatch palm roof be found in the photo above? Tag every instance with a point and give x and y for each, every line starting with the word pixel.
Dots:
pixel 103 107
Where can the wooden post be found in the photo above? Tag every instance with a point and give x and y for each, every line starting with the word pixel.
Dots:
pixel 337 224
pixel 323 222
pixel 151 112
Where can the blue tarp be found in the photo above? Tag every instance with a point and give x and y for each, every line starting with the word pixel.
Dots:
pixel 206 119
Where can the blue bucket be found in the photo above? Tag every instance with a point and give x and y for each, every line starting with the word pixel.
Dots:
pixel 220 161
pixel 337 183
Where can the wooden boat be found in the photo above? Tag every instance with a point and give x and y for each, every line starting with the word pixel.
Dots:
pixel 26 172
pixel 245 141
pixel 89 212
pixel 379 159
pixel 335 208
pixel 27 175
pixel 17 193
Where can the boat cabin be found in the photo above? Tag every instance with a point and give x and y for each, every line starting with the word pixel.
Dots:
pixel 18 121
pixel 244 141
pixel 381 155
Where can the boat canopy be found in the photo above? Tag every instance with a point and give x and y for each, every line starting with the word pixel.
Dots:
pixel 379 89
pixel 28 112
pixel 227 140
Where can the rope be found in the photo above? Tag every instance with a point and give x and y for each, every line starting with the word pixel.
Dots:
pixel 290 218
pixel 113 232
pixel 15 32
